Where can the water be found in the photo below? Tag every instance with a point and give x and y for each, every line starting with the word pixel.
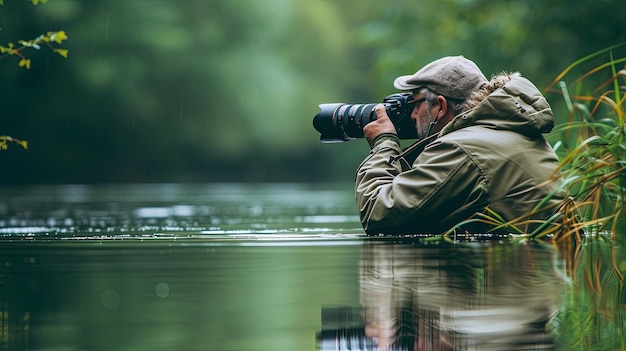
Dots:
pixel 280 267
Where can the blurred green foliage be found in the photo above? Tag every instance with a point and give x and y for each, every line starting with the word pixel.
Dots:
pixel 225 90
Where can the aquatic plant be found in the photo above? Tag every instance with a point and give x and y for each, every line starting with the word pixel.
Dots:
pixel 592 147
pixel 593 143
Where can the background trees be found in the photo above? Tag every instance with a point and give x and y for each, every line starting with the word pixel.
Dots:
pixel 226 90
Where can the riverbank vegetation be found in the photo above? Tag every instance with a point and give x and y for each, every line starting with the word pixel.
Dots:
pixel 592 145
pixel 592 142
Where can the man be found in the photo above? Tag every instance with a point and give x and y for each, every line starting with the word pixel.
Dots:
pixel 481 149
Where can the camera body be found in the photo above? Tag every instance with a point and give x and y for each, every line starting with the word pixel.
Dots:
pixel 339 122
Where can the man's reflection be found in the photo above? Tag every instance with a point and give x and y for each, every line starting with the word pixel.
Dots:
pixel 480 297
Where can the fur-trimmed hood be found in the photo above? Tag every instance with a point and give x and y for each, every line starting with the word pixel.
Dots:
pixel 507 102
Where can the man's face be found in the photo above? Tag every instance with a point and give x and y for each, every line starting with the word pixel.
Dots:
pixel 423 116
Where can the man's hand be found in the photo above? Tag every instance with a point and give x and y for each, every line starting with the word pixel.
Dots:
pixel 381 125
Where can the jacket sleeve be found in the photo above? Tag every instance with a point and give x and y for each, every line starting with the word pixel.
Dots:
pixel 443 187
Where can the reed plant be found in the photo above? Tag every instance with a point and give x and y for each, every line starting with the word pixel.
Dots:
pixel 592 142
pixel 592 147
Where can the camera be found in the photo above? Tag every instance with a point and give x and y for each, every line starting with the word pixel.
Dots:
pixel 338 122
pixel 343 329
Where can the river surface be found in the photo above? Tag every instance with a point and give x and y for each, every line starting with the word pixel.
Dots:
pixel 281 267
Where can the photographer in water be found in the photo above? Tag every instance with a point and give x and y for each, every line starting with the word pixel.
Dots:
pixel 480 146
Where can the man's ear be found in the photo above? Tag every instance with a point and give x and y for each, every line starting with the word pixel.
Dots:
pixel 443 106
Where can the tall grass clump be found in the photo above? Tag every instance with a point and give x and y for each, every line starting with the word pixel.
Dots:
pixel 592 148
pixel 591 143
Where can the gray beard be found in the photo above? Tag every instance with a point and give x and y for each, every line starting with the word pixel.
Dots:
pixel 424 127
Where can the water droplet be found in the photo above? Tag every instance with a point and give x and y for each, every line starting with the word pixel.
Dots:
pixel 162 290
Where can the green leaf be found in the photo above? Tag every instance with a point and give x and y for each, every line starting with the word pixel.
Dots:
pixel 62 52
pixel 25 63
pixel 57 37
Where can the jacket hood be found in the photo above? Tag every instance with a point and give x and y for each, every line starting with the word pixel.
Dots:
pixel 516 106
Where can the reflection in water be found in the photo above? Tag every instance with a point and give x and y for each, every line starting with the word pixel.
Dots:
pixel 484 297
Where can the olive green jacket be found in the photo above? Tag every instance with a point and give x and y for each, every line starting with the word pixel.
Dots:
pixel 493 155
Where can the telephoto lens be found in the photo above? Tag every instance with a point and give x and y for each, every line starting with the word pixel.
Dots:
pixel 337 122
